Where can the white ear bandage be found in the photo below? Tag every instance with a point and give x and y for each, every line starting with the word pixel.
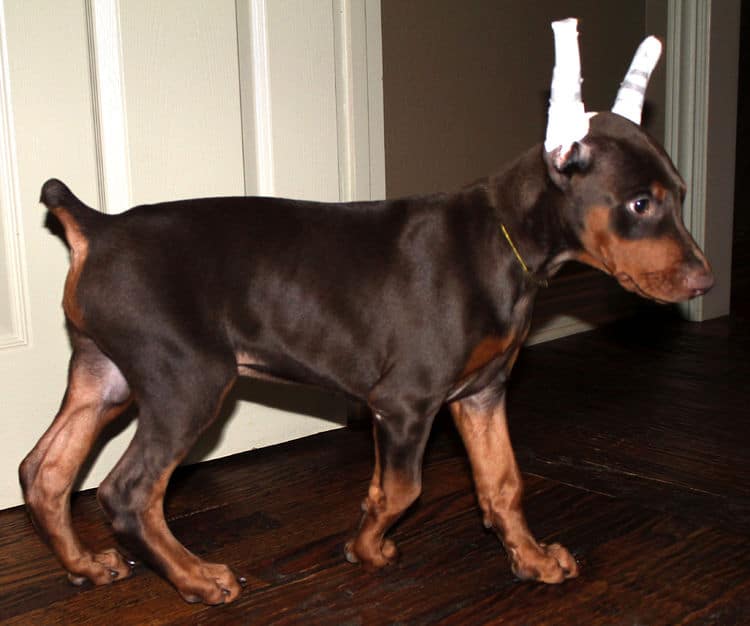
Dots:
pixel 629 101
pixel 566 120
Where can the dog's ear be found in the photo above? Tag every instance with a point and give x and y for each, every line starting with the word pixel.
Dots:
pixel 567 122
pixel 563 162
pixel 629 101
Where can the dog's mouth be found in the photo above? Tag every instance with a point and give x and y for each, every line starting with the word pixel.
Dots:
pixel 629 283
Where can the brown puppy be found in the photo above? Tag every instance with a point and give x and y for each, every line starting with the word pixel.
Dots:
pixel 405 304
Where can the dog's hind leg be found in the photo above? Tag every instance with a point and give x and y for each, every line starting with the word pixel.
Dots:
pixel 96 394
pixel 176 402
pixel 482 422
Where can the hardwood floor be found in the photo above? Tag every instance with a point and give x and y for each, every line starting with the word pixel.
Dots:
pixel 634 443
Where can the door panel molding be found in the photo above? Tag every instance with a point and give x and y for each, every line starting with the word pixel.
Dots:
pixel 702 66
pixel 108 105
pixel 359 99
pixel 15 324
pixel 375 109
pixel 255 97
pixel 282 91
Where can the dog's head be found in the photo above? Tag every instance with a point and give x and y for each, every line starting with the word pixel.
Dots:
pixel 623 194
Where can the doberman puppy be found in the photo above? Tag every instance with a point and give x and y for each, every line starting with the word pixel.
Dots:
pixel 404 304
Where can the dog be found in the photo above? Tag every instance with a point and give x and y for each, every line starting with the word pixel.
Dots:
pixel 404 304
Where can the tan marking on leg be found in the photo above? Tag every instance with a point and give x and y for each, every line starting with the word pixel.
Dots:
pixel 383 506
pixel 388 496
pixel 375 491
pixel 196 580
pixel 79 248
pixel 50 469
pixel 499 488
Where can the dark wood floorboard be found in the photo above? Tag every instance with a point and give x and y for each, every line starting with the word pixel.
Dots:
pixel 634 443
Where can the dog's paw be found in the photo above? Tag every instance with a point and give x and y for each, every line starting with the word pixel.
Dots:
pixel 210 583
pixel 550 564
pixel 101 568
pixel 371 557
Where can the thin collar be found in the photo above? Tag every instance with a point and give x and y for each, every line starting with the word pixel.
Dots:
pixel 539 282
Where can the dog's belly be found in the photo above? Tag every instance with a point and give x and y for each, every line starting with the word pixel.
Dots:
pixel 279 371
pixel 251 366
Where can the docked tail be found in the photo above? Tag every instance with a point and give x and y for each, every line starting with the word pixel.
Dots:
pixel 76 218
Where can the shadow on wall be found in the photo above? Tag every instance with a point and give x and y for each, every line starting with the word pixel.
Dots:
pixel 317 403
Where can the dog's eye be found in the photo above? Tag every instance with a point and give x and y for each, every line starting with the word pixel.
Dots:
pixel 640 205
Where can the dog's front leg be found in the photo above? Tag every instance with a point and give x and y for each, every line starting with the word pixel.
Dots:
pixel 396 483
pixel 481 420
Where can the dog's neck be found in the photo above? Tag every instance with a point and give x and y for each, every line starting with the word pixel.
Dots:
pixel 532 209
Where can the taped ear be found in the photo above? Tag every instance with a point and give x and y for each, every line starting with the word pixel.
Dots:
pixel 567 121
pixel 561 167
pixel 629 101
pixel 565 151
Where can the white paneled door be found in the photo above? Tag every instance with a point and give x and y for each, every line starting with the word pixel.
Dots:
pixel 135 101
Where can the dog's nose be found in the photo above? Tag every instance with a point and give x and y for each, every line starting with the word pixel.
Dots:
pixel 699 282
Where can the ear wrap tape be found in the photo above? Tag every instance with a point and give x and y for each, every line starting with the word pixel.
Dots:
pixel 629 101
pixel 567 121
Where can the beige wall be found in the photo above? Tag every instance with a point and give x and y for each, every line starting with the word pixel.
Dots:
pixel 465 83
